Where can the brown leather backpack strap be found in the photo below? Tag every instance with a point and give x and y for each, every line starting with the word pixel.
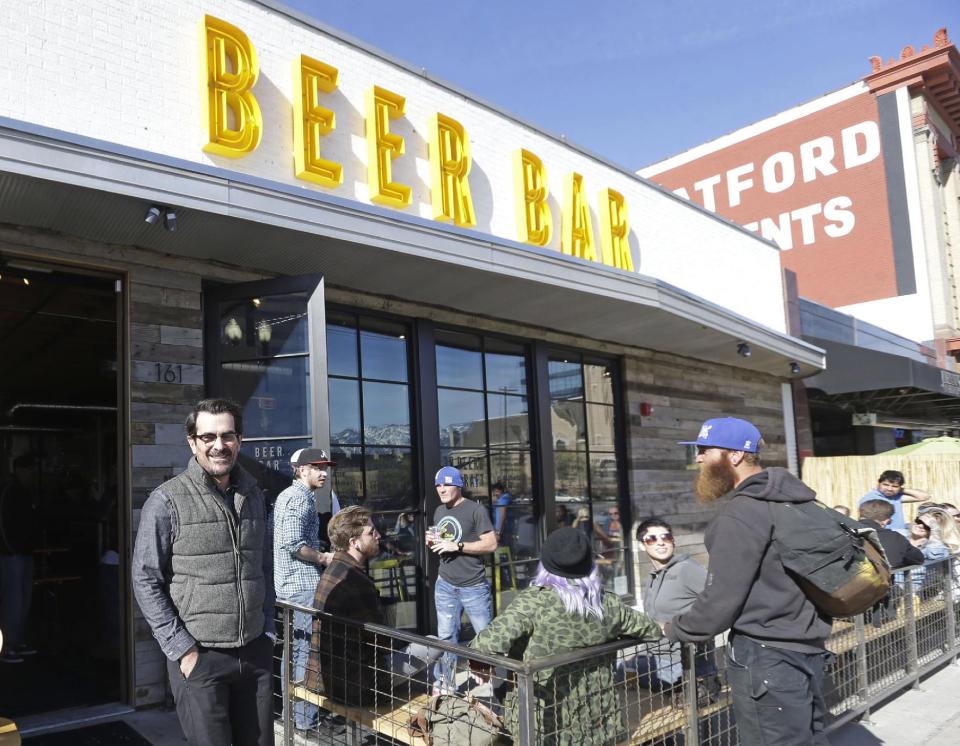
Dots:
pixel 489 716
pixel 418 726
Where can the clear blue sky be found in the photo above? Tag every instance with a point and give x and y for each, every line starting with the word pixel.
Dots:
pixel 637 81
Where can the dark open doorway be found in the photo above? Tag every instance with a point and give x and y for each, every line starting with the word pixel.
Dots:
pixel 60 515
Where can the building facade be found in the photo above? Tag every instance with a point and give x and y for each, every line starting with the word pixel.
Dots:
pixel 226 198
pixel 859 190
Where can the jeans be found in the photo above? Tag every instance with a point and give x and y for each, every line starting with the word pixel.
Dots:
pixel 450 601
pixel 777 694
pixel 306 715
pixel 16 590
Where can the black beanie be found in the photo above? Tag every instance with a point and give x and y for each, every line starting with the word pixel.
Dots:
pixel 567 553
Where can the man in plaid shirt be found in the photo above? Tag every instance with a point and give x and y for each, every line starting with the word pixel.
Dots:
pixel 298 559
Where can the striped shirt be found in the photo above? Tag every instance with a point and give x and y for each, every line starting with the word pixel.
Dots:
pixel 295 524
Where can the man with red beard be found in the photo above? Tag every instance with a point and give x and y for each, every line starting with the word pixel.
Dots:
pixel 775 654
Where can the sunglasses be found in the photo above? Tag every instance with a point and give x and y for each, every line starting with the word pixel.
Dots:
pixel 209 439
pixel 921 523
pixel 651 539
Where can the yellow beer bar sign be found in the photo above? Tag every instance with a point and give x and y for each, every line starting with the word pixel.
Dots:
pixel 234 129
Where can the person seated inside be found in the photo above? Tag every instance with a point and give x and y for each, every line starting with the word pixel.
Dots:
pixel 406 533
pixel 564 609
pixel 674 583
pixel 357 667
pixel 892 488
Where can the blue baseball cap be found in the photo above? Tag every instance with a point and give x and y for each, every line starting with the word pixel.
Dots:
pixel 449 475
pixel 727 432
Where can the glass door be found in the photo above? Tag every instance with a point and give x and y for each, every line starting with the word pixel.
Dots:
pixel 337 381
pixel 265 348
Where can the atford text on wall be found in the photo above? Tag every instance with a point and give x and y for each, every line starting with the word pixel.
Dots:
pixel 813 182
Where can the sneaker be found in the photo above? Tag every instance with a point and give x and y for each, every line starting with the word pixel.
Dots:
pixel 10 658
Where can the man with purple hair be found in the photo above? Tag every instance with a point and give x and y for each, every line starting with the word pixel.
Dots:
pixel 565 608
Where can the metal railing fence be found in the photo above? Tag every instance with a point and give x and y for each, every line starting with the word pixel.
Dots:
pixel 368 682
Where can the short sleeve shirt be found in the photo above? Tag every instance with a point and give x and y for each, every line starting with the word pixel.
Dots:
pixel 898 520
pixel 466 522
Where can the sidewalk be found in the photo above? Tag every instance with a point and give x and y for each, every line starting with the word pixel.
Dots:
pixel 928 716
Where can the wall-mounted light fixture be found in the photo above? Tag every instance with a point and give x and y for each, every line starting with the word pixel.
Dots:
pixel 153 214
pixel 743 349
pixel 794 369
pixel 170 219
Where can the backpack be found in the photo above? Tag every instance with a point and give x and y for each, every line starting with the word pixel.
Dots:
pixel 452 719
pixel 838 562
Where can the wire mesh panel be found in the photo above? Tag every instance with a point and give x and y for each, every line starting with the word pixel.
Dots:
pixel 374 684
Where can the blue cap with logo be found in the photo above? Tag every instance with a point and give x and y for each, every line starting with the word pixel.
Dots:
pixel 727 432
pixel 449 475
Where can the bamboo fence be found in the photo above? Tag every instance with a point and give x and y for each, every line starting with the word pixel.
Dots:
pixel 843 480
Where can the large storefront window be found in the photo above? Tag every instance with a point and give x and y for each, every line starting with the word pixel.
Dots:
pixel 372 443
pixel 586 468
pixel 484 417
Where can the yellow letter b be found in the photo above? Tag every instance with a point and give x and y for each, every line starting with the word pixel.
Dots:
pixel 232 70
pixel 534 223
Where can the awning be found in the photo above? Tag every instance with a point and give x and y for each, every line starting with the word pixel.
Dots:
pixel 97 191
pixel 869 381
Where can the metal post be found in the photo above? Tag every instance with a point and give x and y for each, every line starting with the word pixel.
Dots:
pixel 526 709
pixel 950 609
pixel 287 669
pixel 910 616
pixel 691 706
pixel 863 680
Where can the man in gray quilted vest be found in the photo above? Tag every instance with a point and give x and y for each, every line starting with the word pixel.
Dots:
pixel 202 574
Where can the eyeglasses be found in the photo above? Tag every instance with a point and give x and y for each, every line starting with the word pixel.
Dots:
pixel 209 439
pixel 651 539
pixel 921 523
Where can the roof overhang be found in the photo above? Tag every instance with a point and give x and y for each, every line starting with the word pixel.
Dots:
pixel 100 192
pixel 865 380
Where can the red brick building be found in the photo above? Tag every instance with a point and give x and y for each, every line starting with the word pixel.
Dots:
pixel 859 188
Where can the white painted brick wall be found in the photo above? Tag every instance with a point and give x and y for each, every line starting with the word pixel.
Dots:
pixel 130 72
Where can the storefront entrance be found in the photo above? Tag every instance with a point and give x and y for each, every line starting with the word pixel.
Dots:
pixel 534 430
pixel 61 516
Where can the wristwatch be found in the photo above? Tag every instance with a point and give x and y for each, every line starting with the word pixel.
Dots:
pixel 459 546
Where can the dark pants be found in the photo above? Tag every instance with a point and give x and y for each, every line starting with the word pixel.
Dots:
pixel 777 694
pixel 16 590
pixel 227 699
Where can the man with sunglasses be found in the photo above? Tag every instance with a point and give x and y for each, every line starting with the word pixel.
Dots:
pixel 673 585
pixel 203 577
pixel 776 653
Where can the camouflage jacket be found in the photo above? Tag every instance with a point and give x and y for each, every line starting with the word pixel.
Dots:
pixel 577 703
